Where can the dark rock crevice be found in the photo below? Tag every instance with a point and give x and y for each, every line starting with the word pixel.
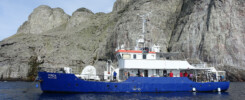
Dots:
pixel 209 12
pixel 186 9
pixel 203 34
pixel 201 46
pixel 8 44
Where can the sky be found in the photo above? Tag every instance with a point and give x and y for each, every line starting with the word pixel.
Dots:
pixel 13 13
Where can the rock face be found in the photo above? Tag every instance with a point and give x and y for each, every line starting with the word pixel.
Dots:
pixel 80 16
pixel 42 19
pixel 212 31
pixel 120 4
pixel 205 30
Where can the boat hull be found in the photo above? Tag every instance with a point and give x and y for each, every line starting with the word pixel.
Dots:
pixel 60 82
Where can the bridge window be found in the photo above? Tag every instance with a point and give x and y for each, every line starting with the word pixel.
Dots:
pixel 144 56
pixel 126 56
pixel 134 56
pixel 157 71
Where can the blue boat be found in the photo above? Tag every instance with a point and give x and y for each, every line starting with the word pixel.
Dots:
pixel 61 82
pixel 144 69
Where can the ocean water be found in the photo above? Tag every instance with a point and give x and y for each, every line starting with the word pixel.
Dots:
pixel 28 91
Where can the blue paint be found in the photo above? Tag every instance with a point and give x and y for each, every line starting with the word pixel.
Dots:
pixel 60 82
pixel 36 85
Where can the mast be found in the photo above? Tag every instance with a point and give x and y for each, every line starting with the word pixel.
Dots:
pixel 142 36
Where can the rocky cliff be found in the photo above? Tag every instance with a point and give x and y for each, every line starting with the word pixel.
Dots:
pixel 203 30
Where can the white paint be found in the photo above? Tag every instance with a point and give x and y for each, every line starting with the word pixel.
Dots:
pixel 150 56
pixel 67 70
pixel 89 72
pixel 52 76
pixel 156 48
pixel 194 89
pixel 154 64
pixel 219 89
pixel 139 56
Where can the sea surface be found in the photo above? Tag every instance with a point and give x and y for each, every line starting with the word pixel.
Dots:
pixel 28 91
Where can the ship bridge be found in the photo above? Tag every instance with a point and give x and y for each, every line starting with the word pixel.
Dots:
pixel 148 63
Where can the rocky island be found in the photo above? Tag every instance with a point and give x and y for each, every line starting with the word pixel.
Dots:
pixel 211 31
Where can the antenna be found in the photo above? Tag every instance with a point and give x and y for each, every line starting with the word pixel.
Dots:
pixel 143 17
